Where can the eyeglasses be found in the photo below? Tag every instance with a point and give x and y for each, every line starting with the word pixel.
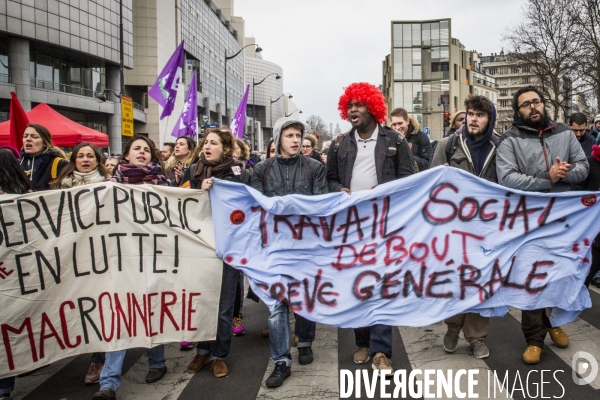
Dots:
pixel 527 104
pixel 307 147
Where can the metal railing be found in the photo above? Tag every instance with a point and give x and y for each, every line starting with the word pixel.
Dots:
pixel 61 87
pixel 5 78
pixel 139 107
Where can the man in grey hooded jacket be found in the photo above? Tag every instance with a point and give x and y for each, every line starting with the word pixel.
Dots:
pixel 538 155
pixel 288 172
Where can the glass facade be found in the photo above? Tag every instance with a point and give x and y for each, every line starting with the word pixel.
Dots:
pixel 208 39
pixel 421 70
pixel 4 76
pixel 50 73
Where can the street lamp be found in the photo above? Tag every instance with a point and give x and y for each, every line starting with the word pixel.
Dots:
pixel 254 84
pixel 275 101
pixel 299 112
pixel 102 97
pixel 227 58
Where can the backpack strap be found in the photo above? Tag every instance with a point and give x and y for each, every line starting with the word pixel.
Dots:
pixel 54 170
pixel 451 147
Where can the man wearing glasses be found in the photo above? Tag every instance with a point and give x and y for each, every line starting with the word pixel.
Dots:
pixel 538 155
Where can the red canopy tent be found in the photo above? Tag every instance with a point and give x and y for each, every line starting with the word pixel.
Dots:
pixel 65 133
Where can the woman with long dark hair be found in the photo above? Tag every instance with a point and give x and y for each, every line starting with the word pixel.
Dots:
pixel 12 181
pixel 140 164
pixel 85 167
pixel 39 159
pixel 216 161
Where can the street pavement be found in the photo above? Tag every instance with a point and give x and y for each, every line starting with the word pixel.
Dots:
pixel 413 348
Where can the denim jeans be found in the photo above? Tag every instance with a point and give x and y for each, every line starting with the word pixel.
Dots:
pixel 220 347
pixel 378 338
pixel 280 333
pixel 110 377
pixel 6 384
pixel 305 330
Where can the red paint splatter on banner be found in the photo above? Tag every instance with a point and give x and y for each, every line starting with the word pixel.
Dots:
pixel 237 217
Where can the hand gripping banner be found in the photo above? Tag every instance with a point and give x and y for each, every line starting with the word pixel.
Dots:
pixel 411 252
pixel 104 267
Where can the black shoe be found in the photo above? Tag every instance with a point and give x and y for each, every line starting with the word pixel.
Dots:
pixel 279 374
pixel 305 355
pixel 155 374
pixel 105 394
pixel 596 282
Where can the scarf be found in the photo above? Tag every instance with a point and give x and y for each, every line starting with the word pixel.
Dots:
pixel 479 149
pixel 82 178
pixel 207 169
pixel 130 174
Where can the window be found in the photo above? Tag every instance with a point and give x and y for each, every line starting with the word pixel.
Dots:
pixel 526 79
pixel 455 72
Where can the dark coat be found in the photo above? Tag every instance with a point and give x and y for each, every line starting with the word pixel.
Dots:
pixel 393 159
pixel 196 183
pixel 461 158
pixel 39 167
pixel 316 156
pixel 586 142
pixel 591 183
pixel 421 146
pixel 278 176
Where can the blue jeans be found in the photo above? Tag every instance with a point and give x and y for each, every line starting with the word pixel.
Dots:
pixel 110 377
pixel 378 338
pixel 280 333
pixel 220 347
pixel 6 384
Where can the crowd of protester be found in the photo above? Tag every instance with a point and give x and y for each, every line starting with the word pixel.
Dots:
pixel 562 157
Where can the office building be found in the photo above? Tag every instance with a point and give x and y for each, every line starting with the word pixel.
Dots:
pixel 429 73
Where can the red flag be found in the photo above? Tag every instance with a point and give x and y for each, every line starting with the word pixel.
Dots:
pixel 18 122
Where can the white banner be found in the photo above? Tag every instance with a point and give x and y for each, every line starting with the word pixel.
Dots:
pixel 104 267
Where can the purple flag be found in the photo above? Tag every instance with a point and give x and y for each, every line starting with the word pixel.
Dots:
pixel 237 125
pixel 187 124
pixel 164 89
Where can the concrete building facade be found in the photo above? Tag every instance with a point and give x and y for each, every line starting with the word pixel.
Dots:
pixel 63 53
pixel 265 97
pixel 429 73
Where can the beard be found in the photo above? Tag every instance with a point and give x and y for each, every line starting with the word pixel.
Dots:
pixel 540 122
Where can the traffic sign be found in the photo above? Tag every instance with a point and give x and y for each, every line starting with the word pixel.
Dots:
pixel 205 118
pixel 126 116
pixel 212 125
pixel 426 130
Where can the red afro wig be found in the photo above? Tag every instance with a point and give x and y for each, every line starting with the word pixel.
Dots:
pixel 366 94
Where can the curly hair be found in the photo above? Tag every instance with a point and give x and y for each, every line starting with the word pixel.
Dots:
pixel 366 94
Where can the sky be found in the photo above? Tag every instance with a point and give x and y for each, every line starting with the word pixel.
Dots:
pixel 325 45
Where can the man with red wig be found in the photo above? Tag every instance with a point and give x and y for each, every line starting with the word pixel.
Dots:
pixel 369 155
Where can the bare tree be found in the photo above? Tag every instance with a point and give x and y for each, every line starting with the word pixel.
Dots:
pixel 586 14
pixel 548 41
pixel 317 127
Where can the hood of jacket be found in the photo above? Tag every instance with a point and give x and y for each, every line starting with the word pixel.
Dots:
pixel 413 127
pixel 489 133
pixel 280 125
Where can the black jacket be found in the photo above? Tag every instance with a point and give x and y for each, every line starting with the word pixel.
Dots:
pixel 195 183
pixel 278 176
pixel 39 168
pixel 591 183
pixel 393 159
pixel 316 156
pixel 421 146
pixel 586 142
